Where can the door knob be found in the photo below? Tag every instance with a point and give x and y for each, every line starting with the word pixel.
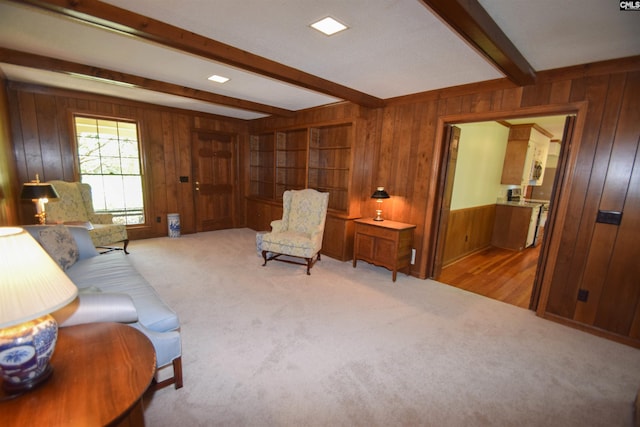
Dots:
pixel 197 186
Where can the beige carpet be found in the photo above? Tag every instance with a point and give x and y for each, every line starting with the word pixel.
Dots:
pixel 270 346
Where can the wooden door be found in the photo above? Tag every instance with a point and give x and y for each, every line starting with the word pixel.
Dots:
pixel 549 227
pixel 215 180
pixel 452 139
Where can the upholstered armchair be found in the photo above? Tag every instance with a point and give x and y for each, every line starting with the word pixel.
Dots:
pixel 299 233
pixel 75 207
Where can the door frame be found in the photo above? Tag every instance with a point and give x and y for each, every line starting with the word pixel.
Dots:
pixel 563 182
pixel 234 141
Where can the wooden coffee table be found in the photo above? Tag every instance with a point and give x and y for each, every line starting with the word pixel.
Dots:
pixel 100 372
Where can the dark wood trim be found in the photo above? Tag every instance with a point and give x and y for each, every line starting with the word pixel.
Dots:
pixel 561 171
pixel 453 91
pixel 52 64
pixel 547 262
pixel 50 90
pixel 496 115
pixel 469 19
pixel 123 21
pixel 613 66
pixel 555 226
pixel 594 330
pixel 9 189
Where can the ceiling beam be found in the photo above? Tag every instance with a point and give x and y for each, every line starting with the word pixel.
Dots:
pixel 469 19
pixel 24 59
pixel 124 21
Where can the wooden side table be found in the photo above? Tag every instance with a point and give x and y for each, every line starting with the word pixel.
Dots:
pixel 100 372
pixel 384 243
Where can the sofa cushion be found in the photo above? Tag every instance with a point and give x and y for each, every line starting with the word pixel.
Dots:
pixel 79 233
pixel 113 273
pixel 60 245
pixel 91 307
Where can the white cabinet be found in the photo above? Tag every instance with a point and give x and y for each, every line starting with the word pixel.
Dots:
pixel 526 155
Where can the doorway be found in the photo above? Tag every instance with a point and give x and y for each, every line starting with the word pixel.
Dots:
pixel 471 252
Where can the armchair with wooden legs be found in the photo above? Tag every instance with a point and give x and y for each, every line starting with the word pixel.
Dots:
pixel 299 233
pixel 75 207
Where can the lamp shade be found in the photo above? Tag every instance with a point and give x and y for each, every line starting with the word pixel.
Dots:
pixel 37 190
pixel 31 283
pixel 380 193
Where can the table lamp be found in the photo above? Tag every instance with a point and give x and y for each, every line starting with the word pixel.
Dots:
pixel 379 195
pixel 32 285
pixel 39 193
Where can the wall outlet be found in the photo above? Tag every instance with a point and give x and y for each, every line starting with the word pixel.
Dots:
pixel 413 256
pixel 583 295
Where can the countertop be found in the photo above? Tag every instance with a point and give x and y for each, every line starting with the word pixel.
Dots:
pixel 522 204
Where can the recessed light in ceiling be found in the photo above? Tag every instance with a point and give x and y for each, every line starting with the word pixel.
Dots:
pixel 329 26
pixel 218 79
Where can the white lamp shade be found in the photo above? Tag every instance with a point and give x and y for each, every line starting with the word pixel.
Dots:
pixel 31 283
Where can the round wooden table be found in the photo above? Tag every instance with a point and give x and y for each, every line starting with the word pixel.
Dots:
pixel 100 372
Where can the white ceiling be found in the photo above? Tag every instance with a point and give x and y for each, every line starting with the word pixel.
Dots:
pixel 392 47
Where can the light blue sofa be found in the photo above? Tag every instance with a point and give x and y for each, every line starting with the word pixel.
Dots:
pixel 110 289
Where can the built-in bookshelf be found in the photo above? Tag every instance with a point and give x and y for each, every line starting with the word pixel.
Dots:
pixel 330 163
pixel 321 157
pixel 261 165
pixel 291 161
pixel 316 157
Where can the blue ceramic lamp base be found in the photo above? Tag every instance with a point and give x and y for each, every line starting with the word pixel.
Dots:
pixel 25 351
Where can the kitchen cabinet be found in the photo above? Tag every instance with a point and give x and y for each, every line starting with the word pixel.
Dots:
pixel 526 155
pixel 515 225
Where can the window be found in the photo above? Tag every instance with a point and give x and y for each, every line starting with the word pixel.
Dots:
pixel 109 159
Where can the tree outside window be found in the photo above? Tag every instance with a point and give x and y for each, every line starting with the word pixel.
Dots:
pixel 109 159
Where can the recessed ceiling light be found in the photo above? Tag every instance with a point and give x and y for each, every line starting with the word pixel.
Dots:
pixel 329 26
pixel 218 79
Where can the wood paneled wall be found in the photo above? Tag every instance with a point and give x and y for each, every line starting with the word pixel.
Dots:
pixel 42 134
pixel 343 111
pixel 405 153
pixel 602 172
pixel 468 231
pixel 8 208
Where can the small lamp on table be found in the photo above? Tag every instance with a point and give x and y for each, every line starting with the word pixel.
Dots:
pixel 39 193
pixel 379 195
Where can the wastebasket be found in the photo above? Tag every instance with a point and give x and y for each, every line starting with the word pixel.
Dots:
pixel 173 223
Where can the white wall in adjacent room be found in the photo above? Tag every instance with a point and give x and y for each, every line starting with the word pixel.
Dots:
pixel 481 154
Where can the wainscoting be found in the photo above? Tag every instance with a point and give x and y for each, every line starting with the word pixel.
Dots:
pixel 468 230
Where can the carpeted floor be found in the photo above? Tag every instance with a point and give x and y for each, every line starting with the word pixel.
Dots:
pixel 271 346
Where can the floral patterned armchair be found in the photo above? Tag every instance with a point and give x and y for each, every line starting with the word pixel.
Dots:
pixel 75 207
pixel 299 232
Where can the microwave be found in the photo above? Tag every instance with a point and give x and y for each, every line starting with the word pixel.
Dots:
pixel 514 194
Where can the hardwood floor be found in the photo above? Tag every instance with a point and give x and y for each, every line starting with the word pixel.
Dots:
pixel 496 273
